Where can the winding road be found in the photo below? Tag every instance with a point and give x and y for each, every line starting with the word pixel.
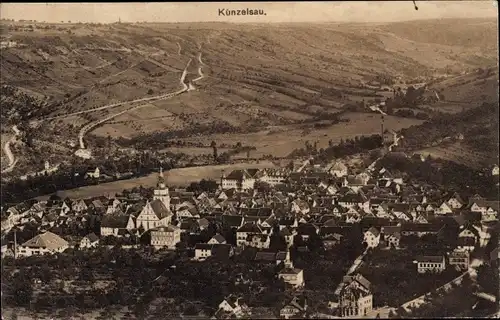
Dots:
pixel 92 125
pixel 8 151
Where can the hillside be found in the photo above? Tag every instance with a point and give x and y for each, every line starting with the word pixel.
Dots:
pixel 245 79
pixel 469 137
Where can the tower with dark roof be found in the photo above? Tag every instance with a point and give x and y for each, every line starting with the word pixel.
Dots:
pixel 161 192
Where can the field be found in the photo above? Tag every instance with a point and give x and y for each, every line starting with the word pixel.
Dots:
pixel 461 154
pixel 263 82
pixel 465 91
pixel 181 177
pixel 280 141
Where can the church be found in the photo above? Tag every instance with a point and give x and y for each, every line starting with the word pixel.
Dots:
pixel 156 213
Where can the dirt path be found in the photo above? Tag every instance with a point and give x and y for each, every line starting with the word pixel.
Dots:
pixel 87 128
pixel 8 151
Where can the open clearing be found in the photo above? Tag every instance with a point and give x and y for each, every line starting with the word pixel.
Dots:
pixel 279 141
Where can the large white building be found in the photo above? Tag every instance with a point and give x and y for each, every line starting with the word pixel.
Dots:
pixel 273 176
pixel 431 264
pixel 240 179
pixel 165 237
pixel 45 243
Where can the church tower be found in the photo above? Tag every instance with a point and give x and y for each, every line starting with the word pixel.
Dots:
pixel 288 261
pixel 161 191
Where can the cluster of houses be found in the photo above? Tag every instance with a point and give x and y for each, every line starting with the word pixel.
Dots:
pixel 321 202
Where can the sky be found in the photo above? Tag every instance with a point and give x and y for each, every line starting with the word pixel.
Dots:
pixel 338 11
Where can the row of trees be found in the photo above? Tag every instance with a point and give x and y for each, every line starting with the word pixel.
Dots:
pixel 449 176
pixel 74 176
pixel 467 123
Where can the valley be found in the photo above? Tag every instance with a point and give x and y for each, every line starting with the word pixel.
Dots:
pixel 89 86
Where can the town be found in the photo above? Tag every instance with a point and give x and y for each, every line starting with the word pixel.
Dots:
pixel 310 240
pixel 164 161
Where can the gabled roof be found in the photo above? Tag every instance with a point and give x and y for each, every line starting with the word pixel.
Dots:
pixel 387 230
pixel 307 229
pixel 166 229
pixel 285 221
pixel 358 278
pixel 114 221
pixel 46 240
pixel 92 237
pixel 232 220
pixel 466 241
pixel 189 224
pixel 374 231
pixel 420 227
pixel 250 228
pixel 159 209
pixel 342 230
pixel 219 238
pixel 433 259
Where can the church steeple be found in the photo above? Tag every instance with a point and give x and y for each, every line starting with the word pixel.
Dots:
pixel 161 179
pixel 161 192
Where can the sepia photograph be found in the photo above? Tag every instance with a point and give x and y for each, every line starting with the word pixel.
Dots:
pixel 249 160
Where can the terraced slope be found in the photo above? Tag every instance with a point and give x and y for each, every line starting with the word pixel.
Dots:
pixel 257 79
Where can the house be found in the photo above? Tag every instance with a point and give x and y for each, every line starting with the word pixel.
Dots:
pixel 89 241
pixel 391 236
pixel 332 240
pixel 469 231
pixel 287 222
pixel 186 212
pixel 495 170
pixel 79 206
pixel 338 170
pixel 203 251
pixel 459 259
pixel 466 244
pixel 355 298
pixel 295 308
pixel 165 237
pixel 231 305
pixel 300 206
pixel 7 252
pixel 291 275
pixel 372 237
pixel 434 264
pixel 240 179
pixel 420 229
pixel 93 173
pixel 274 176
pixel 232 221
pixel 189 226
pixel 246 230
pixel 444 209
pixel 306 230
pixel 154 214
pixel 203 223
pixel 288 235
pixel 487 209
pixel 115 224
pixel 456 201
pixel 261 241
pixel 217 239
pixel 45 243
